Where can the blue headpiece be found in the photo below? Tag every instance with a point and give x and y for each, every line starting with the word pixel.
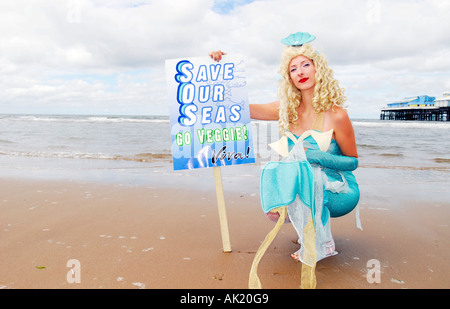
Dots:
pixel 298 39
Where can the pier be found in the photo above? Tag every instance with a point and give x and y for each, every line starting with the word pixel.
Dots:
pixel 416 113
pixel 419 108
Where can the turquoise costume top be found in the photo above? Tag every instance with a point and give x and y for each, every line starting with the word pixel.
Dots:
pixel 341 191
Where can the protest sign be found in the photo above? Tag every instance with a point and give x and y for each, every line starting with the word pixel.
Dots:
pixel 209 119
pixel 209 112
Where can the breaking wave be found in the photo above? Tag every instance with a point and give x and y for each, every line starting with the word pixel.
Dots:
pixel 141 157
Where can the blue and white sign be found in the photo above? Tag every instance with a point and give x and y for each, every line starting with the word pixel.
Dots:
pixel 209 112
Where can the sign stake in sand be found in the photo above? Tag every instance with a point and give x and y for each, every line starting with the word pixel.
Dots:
pixel 210 119
pixel 222 210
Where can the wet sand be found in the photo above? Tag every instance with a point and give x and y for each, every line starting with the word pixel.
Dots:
pixel 168 237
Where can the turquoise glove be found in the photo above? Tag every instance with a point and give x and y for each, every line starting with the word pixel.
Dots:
pixel 342 163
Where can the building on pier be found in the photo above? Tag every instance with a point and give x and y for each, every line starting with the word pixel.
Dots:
pixel 422 108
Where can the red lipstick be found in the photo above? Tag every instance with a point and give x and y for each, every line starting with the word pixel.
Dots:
pixel 303 79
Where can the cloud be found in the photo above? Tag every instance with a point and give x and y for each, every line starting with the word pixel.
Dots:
pixel 101 56
pixel 226 6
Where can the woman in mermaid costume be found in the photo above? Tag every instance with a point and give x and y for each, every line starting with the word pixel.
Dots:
pixel 313 181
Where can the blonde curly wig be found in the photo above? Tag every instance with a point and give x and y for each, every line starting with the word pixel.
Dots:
pixel 327 92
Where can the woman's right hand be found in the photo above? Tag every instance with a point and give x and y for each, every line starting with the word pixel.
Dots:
pixel 217 55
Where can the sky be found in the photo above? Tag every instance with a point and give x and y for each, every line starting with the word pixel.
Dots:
pixel 108 56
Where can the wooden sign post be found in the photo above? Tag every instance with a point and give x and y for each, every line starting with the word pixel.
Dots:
pixel 226 244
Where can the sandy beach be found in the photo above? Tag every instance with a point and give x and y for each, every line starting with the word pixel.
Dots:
pixel 168 237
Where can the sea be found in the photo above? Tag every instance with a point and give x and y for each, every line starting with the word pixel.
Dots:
pixel 397 159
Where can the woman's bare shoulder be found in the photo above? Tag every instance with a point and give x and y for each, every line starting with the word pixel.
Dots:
pixel 338 116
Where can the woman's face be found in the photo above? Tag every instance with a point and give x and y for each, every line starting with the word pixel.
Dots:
pixel 302 72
